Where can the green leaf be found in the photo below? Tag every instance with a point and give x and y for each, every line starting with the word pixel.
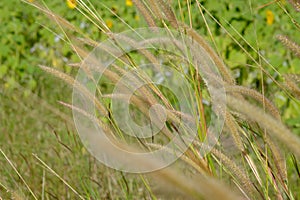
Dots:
pixel 236 58
pixel 276 60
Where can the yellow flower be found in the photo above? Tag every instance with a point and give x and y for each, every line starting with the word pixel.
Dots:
pixel 109 23
pixel 137 18
pixel 270 17
pixel 129 3
pixel 71 3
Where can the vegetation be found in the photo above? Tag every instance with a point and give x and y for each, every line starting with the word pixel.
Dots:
pixel 254 46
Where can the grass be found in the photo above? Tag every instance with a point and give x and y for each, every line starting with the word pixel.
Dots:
pixel 52 140
pixel 256 157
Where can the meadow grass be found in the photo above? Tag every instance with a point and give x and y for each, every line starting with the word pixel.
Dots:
pixel 256 156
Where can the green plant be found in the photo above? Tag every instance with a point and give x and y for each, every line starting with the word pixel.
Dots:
pixel 249 156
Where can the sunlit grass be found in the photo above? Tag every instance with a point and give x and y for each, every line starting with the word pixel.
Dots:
pixel 256 155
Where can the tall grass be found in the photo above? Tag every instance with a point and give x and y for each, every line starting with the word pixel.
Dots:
pixel 254 163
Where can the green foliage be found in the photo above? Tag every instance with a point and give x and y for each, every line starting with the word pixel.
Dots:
pixel 28 39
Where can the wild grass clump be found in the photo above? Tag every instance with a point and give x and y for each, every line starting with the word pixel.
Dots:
pixel 255 167
pixel 295 48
